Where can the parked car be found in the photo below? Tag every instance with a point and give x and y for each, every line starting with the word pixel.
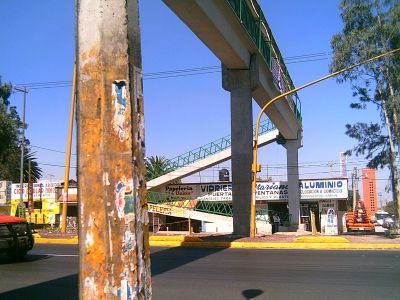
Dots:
pixel 16 236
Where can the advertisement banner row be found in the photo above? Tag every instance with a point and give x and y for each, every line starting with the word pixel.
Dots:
pixel 5 192
pixel 270 191
pixel 41 190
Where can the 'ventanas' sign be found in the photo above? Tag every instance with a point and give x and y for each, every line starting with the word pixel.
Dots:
pixel 270 191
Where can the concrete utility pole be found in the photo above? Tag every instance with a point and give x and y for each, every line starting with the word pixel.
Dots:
pixel 354 188
pixel 113 245
pixel 21 206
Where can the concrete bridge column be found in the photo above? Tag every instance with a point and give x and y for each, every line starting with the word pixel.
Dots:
pixel 292 147
pixel 240 84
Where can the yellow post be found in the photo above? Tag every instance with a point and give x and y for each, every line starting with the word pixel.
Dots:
pixel 68 155
pixel 255 167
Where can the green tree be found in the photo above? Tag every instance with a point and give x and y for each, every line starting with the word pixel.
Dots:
pixel 390 207
pixel 156 166
pixel 10 141
pixel 372 27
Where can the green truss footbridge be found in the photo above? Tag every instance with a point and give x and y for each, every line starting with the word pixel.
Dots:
pixel 198 155
pixel 215 208
pixel 201 153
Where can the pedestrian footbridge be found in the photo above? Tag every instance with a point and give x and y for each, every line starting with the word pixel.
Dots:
pixel 237 32
pixel 201 158
pixel 207 156
pixel 217 214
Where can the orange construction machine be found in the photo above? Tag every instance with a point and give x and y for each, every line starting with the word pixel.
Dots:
pixel 359 219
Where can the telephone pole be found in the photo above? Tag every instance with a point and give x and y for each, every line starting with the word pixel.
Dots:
pixel 68 154
pixel 21 206
pixel 113 218
pixel 355 187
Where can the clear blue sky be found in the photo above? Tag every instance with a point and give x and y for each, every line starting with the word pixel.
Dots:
pixel 182 113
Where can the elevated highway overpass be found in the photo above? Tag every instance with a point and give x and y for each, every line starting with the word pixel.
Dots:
pixel 235 31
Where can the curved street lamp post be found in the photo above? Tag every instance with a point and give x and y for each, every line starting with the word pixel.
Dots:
pixel 255 166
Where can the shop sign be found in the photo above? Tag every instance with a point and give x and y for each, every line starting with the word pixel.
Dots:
pixel 5 185
pixel 329 224
pixel 323 189
pixel 215 192
pixel 5 192
pixel 164 210
pixel 181 190
pixel 270 191
pixel 327 204
pixel 41 190
pixel 30 197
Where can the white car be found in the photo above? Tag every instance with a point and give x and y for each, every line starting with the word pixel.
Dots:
pixel 384 219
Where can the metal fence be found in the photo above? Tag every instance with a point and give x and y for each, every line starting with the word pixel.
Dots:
pixel 253 20
pixel 209 149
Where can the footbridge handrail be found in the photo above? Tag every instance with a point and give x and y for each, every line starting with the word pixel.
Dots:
pixel 211 148
pixel 187 202
pixel 253 20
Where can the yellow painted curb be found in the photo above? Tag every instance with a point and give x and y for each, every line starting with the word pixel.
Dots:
pixel 321 239
pixel 179 238
pixel 249 245
pixel 73 241
pixel 261 245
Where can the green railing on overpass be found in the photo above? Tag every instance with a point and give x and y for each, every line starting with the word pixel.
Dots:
pixel 252 18
pixel 212 148
pixel 217 208
pixel 207 150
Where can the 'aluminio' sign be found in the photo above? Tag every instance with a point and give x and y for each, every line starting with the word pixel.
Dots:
pixel 270 191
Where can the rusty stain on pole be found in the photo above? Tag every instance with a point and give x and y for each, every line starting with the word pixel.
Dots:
pixel 113 243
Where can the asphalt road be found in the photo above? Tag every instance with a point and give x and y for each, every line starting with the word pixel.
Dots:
pixel 50 272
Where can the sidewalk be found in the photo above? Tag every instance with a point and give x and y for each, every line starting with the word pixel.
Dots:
pixel 281 240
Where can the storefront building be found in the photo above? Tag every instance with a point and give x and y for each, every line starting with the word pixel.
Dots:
pixel 326 198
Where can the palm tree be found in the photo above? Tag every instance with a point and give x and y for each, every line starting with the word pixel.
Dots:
pixel 36 171
pixel 156 166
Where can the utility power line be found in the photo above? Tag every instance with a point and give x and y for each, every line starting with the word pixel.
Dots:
pixel 305 58
pixel 49 149
pixel 327 163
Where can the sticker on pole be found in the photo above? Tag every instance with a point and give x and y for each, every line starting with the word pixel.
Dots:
pixel 121 115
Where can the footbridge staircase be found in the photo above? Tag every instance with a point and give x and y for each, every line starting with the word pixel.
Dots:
pixel 207 156
pixel 194 161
